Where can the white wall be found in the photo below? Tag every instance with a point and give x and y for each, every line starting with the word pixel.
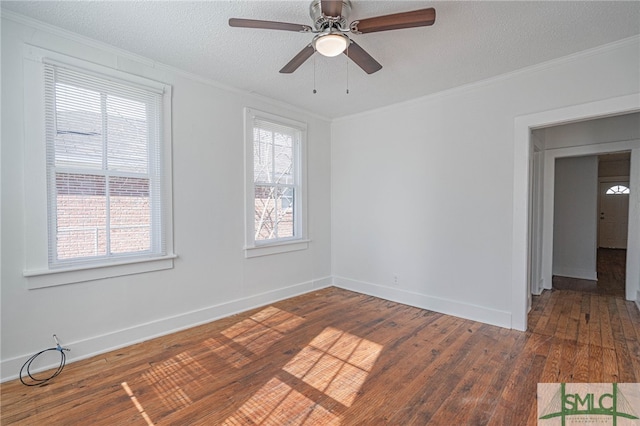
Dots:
pixel 575 225
pixel 211 277
pixel 425 190
pixel 603 130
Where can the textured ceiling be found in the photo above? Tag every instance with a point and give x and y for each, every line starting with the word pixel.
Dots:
pixel 470 41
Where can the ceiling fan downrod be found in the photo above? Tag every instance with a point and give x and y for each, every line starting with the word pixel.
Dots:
pixel 333 16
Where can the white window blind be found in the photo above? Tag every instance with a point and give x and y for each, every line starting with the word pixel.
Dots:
pixel 276 181
pixel 104 168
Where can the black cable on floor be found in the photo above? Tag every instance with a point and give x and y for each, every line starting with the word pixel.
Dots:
pixel 27 366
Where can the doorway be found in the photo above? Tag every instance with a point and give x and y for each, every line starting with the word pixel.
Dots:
pixel 591 211
pixel 557 138
pixel 522 190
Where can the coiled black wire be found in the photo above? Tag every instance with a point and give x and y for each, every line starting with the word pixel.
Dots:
pixel 27 366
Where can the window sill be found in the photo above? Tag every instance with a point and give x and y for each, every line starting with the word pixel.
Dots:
pixel 276 248
pixel 54 277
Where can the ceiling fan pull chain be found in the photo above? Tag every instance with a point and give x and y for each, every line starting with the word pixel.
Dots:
pixel 347 59
pixel 314 75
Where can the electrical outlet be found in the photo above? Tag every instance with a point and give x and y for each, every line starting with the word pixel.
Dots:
pixel 395 280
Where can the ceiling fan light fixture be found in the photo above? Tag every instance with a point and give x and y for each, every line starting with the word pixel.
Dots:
pixel 331 44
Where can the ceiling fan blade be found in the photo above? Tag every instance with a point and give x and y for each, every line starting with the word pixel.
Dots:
pixel 298 60
pixel 365 61
pixel 396 21
pixel 268 25
pixel 331 7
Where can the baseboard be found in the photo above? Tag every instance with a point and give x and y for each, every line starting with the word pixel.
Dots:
pixel 96 345
pixel 436 304
pixel 539 289
pixel 581 274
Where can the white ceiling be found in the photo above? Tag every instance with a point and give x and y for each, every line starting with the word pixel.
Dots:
pixel 470 41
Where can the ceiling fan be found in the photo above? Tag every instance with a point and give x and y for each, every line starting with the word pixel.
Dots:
pixel 330 29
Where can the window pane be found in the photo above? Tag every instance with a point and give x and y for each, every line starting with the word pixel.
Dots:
pixel 265 213
pixel 274 212
pixel 126 135
pixel 130 215
pixel 283 151
pixel 262 155
pixel 78 136
pixel 285 212
pixel 81 215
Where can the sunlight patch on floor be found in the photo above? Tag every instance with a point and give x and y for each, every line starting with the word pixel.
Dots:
pixel 276 403
pixel 173 378
pixel 336 363
pixel 255 334
pixel 137 404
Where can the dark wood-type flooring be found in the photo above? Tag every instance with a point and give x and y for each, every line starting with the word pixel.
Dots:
pixel 611 275
pixel 334 357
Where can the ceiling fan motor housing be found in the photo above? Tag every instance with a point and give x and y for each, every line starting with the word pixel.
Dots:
pixel 323 22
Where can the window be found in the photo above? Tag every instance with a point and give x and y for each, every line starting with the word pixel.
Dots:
pixel 275 190
pixel 617 190
pixel 106 180
pixel 103 167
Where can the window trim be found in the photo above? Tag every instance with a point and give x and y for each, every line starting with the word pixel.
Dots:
pixel 37 270
pixel 254 248
pixel 95 271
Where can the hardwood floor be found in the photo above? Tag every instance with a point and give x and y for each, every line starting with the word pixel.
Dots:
pixel 338 357
pixel 611 275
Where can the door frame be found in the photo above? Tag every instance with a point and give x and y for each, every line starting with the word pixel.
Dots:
pixel 521 255
pixel 633 244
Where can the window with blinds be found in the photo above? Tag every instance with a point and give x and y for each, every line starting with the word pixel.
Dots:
pixel 275 190
pixel 104 167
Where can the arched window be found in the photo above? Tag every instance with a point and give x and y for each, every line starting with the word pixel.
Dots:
pixel 617 190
